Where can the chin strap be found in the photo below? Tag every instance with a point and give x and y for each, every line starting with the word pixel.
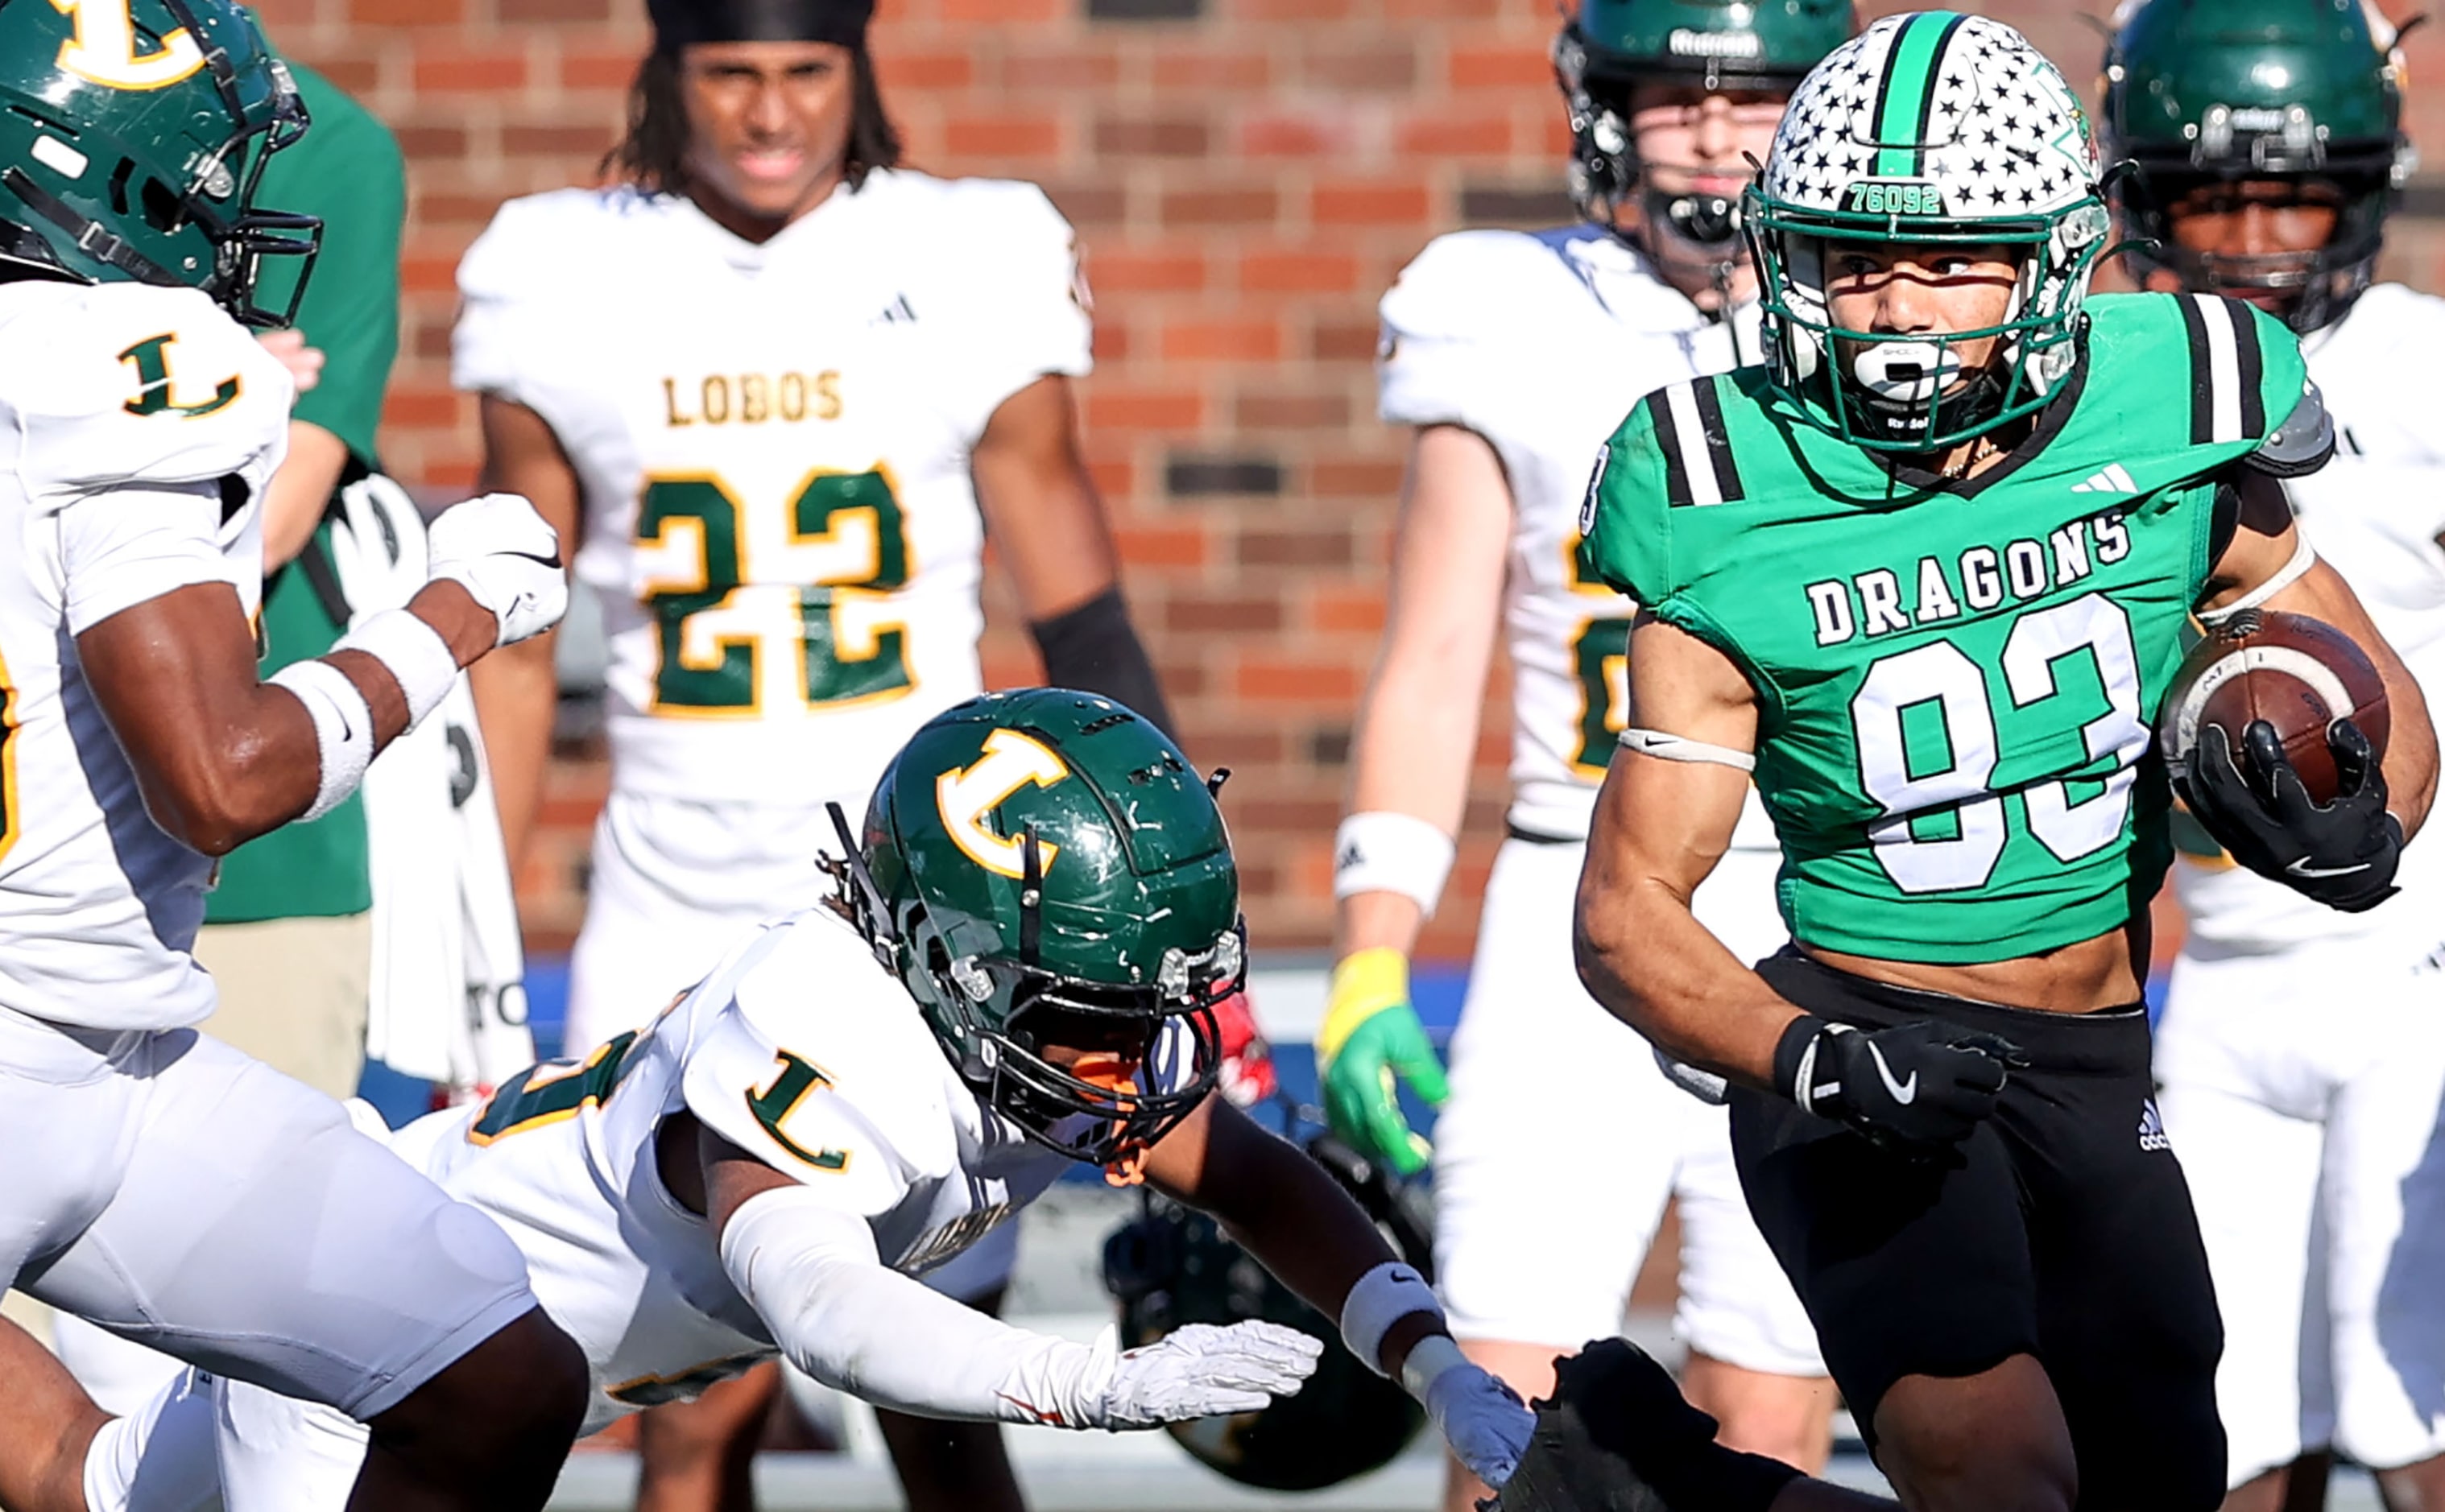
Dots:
pixel 859 897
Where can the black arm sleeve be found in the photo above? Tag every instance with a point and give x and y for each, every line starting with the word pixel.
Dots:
pixel 1095 649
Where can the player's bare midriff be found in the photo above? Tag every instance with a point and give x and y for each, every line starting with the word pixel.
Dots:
pixel 2093 976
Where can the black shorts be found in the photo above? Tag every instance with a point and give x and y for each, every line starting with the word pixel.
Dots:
pixel 2064 1233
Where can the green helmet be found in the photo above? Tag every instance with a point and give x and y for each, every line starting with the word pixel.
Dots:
pixel 1715 45
pixel 135 133
pixel 2205 91
pixel 1044 868
pixel 1927 128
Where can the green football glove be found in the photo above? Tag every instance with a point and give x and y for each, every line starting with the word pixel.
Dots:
pixel 1371 1041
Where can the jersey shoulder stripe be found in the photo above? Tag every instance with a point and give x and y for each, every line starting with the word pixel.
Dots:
pixel 1687 419
pixel 2228 367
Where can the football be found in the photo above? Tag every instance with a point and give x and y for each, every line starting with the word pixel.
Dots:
pixel 2298 674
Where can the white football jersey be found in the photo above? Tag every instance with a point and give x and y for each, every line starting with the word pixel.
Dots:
pixel 147 424
pixel 1541 342
pixel 801 1050
pixel 2374 513
pixel 773 444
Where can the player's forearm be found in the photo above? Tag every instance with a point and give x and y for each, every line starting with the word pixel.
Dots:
pixel 840 1315
pixel 517 694
pixel 1415 741
pixel 1645 956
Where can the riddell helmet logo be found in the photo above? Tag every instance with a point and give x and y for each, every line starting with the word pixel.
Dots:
pixel 1887 197
pixel 1687 44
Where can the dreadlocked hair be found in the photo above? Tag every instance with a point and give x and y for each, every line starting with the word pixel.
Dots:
pixel 652 155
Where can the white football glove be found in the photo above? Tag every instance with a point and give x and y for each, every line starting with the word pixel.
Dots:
pixel 500 550
pixel 1483 1420
pixel 1202 1371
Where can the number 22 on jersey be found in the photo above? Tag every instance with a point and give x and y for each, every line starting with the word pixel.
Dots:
pixel 732 582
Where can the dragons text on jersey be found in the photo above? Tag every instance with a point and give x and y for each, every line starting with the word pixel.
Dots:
pixel 1882 600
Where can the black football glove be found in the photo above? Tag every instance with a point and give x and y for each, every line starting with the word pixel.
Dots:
pixel 2342 853
pixel 1916 1088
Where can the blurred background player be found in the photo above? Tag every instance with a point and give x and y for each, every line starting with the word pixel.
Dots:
pixel 1513 355
pixel 1927 575
pixel 164 1185
pixel 828 379
pixel 2302 1052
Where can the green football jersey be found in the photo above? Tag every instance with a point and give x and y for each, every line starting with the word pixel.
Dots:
pixel 1956 683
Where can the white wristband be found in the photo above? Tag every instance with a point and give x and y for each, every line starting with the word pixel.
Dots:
pixel 2302 559
pixel 343 728
pixel 413 653
pixel 1380 1298
pixel 1382 851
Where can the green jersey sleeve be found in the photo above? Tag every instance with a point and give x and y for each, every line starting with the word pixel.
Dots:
pixel 1625 523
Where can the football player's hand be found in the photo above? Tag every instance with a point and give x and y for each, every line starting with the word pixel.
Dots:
pixel 1914 1089
pixel 500 550
pixel 288 348
pixel 2342 853
pixel 1371 1041
pixel 1483 1420
pixel 1202 1371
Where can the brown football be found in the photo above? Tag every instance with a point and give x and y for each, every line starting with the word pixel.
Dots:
pixel 2298 674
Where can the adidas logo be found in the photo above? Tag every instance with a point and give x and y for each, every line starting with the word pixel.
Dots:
pixel 897 313
pixel 2113 480
pixel 1351 856
pixel 2151 1127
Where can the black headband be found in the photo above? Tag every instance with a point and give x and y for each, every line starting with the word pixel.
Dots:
pixel 678 23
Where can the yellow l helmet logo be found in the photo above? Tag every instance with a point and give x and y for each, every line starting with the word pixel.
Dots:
pixel 104 50
pixel 965 794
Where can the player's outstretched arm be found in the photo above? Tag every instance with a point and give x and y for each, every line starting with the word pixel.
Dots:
pixel 1046 519
pixel 1410 753
pixel 2267 550
pixel 516 691
pixel 1284 1209
pixel 809 1267
pixel 1663 820
pixel 222 756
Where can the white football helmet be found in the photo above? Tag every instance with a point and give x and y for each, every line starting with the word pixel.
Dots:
pixel 1931 128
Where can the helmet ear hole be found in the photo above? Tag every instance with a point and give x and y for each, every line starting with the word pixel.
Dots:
pixel 162 211
pixel 118 178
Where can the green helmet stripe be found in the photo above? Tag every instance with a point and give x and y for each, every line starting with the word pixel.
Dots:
pixel 1906 97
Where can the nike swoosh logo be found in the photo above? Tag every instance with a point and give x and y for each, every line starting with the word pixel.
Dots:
pixel 553 560
pixel 1904 1092
pixel 2301 867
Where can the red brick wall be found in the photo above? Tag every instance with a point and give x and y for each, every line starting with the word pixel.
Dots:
pixel 1246 184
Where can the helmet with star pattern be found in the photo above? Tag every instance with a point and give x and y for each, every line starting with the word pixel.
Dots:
pixel 1927 129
